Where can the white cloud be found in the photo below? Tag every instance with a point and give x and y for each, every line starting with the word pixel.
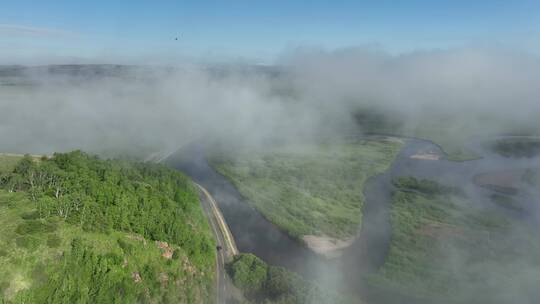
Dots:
pixel 30 31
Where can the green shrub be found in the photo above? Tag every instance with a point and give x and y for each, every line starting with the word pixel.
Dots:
pixel 176 254
pixel 39 274
pixel 31 215
pixel 35 226
pixel 53 241
pixel 248 272
pixel 3 286
pixel 280 281
pixel 126 246
pixel 28 242
pixel 264 283
pixel 87 277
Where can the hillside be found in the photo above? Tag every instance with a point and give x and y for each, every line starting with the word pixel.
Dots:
pixel 79 229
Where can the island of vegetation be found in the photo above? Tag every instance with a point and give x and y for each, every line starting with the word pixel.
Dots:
pixel 312 192
pixel 437 233
pixel 77 229
pixel 263 283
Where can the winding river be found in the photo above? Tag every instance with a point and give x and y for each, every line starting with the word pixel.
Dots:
pixel 253 233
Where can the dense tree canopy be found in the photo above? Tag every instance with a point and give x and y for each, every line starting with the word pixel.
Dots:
pixel 262 283
pixel 110 200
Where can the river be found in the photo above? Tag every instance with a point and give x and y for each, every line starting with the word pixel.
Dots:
pixel 253 233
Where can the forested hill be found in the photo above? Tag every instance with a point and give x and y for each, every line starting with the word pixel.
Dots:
pixel 75 227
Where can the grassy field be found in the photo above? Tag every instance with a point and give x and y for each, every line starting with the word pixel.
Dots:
pixel 309 189
pixel 47 257
pixel 9 161
pixel 443 247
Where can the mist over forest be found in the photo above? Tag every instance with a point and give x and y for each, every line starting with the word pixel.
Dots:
pixel 307 94
pixel 320 102
pixel 276 152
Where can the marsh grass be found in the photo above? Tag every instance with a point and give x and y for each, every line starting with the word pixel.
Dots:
pixel 443 246
pixel 309 189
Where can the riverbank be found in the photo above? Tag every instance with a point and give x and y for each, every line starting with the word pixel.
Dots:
pixel 327 246
pixel 354 269
pixel 312 192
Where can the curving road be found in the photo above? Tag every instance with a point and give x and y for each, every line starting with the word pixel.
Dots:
pixel 224 240
pixel 222 234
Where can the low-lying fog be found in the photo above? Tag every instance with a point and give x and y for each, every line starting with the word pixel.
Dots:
pixel 308 93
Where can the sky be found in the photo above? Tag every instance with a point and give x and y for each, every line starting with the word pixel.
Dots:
pixel 145 31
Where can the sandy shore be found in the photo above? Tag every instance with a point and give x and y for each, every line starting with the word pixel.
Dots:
pixel 426 156
pixel 327 246
pixel 394 139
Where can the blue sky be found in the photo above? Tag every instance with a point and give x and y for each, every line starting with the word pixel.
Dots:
pixel 258 30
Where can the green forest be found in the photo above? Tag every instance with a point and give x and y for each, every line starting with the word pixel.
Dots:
pixel 263 283
pixel 78 229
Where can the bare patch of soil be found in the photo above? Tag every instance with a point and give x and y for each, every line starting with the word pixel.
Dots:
pixel 327 246
pixel 167 252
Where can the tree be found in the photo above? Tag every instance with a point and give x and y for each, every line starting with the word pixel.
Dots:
pixel 249 273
